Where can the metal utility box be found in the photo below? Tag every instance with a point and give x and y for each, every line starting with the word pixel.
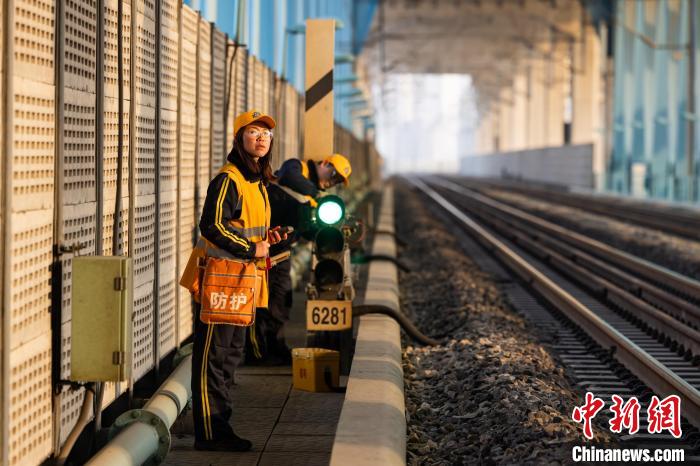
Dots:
pixel 309 366
pixel 101 331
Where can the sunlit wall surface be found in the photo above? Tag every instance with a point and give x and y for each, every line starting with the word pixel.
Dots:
pixel 655 134
pixel 267 25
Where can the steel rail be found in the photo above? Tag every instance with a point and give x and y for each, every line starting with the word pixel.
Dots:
pixel 681 309
pixel 670 220
pixel 654 272
pixel 647 368
pixel 564 260
pixel 618 287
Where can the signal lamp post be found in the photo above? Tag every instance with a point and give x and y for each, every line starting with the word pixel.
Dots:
pixel 330 291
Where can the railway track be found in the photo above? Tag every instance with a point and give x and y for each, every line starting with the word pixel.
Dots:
pixel 669 219
pixel 640 320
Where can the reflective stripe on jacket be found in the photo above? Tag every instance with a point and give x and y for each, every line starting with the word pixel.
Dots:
pixel 252 224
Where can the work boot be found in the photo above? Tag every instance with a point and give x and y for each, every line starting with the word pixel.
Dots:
pixel 234 443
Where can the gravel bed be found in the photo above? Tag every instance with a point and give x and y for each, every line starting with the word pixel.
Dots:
pixel 490 393
pixel 674 252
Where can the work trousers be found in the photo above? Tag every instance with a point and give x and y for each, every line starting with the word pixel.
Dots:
pixel 217 351
pixel 280 282
pixel 266 337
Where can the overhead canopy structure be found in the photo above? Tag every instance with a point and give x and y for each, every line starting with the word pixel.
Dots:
pixel 490 40
pixel 537 67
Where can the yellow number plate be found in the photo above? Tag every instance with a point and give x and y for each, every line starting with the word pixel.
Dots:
pixel 328 315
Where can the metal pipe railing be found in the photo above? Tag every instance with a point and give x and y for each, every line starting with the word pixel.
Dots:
pixel 144 434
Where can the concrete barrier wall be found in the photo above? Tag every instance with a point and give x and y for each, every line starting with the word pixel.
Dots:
pixel 372 425
pixel 565 165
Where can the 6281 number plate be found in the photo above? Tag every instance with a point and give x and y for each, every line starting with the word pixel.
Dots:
pixel 328 315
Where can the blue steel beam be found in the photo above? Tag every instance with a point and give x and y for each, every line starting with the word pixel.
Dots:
pixel 265 22
pixel 654 114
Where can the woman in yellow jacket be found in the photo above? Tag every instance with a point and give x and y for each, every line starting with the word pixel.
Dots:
pixel 235 223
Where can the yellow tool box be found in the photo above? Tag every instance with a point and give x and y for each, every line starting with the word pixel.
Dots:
pixel 309 366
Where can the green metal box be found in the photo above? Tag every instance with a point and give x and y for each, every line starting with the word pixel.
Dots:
pixel 101 330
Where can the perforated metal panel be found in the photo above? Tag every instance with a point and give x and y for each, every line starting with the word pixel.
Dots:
pixel 29 254
pixel 294 125
pixel 167 296
pixel 266 87
pixel 286 123
pixel 145 140
pixel 263 86
pixel 108 227
pixel 32 182
pixel 30 259
pixel 71 400
pixel 143 329
pixel 111 64
pixel 188 141
pixel 291 123
pixel 78 146
pixel 218 101
pixel 144 239
pixel 168 150
pixel 204 108
pixel 110 163
pixel 168 73
pixel 30 402
pixel 33 43
pixel 251 94
pixel 167 291
pixel 186 241
pixel 145 66
pixel 231 95
pixel 111 148
pixel 190 21
pixel 188 102
pixel 33 145
pixel 273 89
pixel 259 84
pixel 188 85
pixel 240 78
pixel 147 8
pixel 33 136
pixel 79 227
pixel 79 49
pixel 166 225
pixel 169 14
pixel 276 113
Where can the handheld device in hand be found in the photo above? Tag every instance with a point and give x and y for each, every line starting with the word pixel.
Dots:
pixel 285 230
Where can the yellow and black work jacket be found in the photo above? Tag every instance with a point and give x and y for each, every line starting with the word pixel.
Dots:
pixel 299 176
pixel 235 216
pixel 292 196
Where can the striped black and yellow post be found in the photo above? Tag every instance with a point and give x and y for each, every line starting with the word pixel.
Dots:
pixel 318 117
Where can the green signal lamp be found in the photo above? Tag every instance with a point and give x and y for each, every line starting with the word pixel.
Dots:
pixel 330 210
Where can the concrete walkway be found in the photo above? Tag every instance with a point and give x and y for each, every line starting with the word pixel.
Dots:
pixel 286 426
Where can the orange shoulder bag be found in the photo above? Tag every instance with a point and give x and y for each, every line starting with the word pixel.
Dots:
pixel 229 292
